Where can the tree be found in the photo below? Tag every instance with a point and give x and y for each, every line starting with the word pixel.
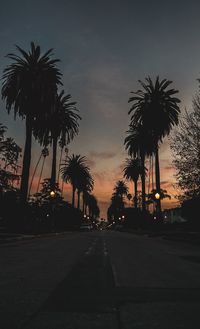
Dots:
pixel 85 183
pixel 117 200
pixel 121 189
pixel 185 145
pixel 10 153
pixel 139 144
pixel 157 110
pixel 132 171
pixel 72 171
pixel 62 125
pixel 94 210
pixel 29 88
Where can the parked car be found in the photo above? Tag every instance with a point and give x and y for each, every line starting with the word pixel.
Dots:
pixel 85 227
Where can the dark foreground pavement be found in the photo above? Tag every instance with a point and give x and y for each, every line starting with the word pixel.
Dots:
pixel 99 280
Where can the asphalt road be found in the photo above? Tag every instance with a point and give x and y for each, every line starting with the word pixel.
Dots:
pixel 99 280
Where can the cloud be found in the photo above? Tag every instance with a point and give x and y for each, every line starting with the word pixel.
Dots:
pixel 91 163
pixel 102 155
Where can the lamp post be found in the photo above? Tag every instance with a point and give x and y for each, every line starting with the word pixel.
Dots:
pixel 52 195
pixel 157 197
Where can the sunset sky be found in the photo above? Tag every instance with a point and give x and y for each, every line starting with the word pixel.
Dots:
pixel 105 47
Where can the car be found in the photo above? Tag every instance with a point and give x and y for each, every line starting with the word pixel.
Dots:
pixel 85 227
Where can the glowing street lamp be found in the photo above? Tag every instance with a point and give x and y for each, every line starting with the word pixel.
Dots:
pixel 52 194
pixel 157 196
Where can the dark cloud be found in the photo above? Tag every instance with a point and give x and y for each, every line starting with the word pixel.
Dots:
pixel 102 155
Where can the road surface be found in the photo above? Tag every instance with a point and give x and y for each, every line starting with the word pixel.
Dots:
pixel 99 280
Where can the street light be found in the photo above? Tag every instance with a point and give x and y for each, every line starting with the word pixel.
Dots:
pixel 157 196
pixel 52 194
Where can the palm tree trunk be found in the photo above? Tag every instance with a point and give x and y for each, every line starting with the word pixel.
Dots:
pixel 61 153
pixel 53 168
pixel 135 194
pixel 38 186
pixel 143 183
pixel 26 160
pixel 73 195
pixel 157 171
pixel 62 188
pixel 31 183
pixel 78 202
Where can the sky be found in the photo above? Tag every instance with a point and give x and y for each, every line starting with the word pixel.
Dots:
pixel 105 47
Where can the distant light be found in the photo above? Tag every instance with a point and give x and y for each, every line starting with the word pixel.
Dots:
pixel 85 216
pixel 123 216
pixel 119 218
pixel 113 222
pixel 47 215
pixel 88 217
pixel 154 217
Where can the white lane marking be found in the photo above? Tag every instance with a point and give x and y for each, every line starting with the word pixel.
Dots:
pixel 91 247
pixel 115 275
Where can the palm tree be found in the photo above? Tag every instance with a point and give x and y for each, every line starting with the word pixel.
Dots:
pixel 139 145
pixel 121 189
pixel 157 110
pixel 61 126
pixel 132 171
pixel 93 207
pixel 29 88
pixel 70 171
pixel 85 182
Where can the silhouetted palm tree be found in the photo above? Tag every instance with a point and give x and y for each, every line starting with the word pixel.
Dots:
pixel 29 88
pixel 121 189
pixel 132 171
pixel 157 110
pixel 85 182
pixel 93 207
pixel 71 171
pixel 61 126
pixel 139 144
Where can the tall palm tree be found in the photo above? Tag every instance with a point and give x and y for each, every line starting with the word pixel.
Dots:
pixel 29 88
pixel 71 170
pixel 93 207
pixel 132 171
pixel 121 189
pixel 139 144
pixel 61 126
pixel 85 182
pixel 157 110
